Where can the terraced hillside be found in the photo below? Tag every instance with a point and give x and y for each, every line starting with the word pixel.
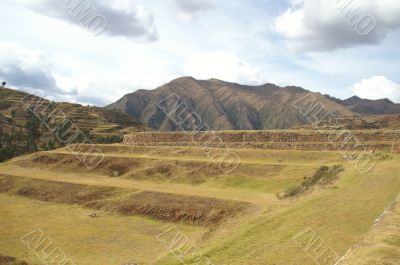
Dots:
pixel 29 123
pixel 147 203
pixel 14 105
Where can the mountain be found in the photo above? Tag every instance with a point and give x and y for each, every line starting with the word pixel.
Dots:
pixel 366 107
pixel 222 105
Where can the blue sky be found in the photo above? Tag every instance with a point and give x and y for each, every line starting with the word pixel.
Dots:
pixel 307 43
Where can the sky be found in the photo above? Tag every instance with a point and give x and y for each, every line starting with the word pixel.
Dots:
pixel 337 47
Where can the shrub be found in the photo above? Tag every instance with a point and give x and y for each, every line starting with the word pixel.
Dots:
pixel 323 176
pixel 109 139
pixel 382 156
pixel 293 191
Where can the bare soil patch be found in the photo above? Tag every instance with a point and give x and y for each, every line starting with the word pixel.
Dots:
pixel 176 208
pixel 194 210
pixel 59 192
pixel 181 171
pixel 6 260
pixel 111 166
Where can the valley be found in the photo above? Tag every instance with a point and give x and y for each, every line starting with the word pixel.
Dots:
pixel 199 132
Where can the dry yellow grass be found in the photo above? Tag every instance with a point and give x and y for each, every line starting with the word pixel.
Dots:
pixel 336 217
pixel 381 246
pixel 339 215
pixel 108 239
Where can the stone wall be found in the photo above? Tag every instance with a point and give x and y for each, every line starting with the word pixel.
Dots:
pixel 264 136
pixel 285 140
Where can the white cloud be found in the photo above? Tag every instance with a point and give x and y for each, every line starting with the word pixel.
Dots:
pixel 102 69
pixel 194 6
pixel 320 25
pixel 191 8
pixel 221 65
pixel 115 18
pixel 27 68
pixel 377 87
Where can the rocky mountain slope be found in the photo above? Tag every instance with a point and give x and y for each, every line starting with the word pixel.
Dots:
pixel 220 105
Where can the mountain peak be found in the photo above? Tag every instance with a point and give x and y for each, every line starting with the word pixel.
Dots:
pixel 370 107
pixel 386 100
pixel 353 100
pixel 355 97
pixel 216 80
pixel 183 79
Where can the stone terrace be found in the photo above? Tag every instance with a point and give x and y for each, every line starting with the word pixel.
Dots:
pixel 279 140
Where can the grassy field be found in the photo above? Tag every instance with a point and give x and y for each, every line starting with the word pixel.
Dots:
pixel 181 185
pixel 382 243
pixel 108 239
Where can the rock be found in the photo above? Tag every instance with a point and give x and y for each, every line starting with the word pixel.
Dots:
pixel 93 215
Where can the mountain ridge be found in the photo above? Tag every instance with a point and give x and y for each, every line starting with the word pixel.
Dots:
pixel 367 107
pixel 231 106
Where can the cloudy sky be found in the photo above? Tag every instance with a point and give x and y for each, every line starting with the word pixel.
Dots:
pixel 336 47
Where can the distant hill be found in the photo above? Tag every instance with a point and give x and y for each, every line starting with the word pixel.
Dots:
pixel 387 122
pixel 367 107
pixel 222 105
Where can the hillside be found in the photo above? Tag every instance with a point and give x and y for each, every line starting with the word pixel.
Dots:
pixel 13 105
pixel 222 105
pixel 23 130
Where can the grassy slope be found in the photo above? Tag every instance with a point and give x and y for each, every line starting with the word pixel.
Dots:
pixel 109 239
pixel 339 216
pixel 381 244
pixel 258 170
